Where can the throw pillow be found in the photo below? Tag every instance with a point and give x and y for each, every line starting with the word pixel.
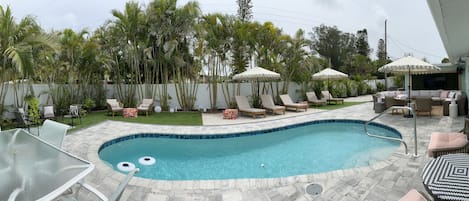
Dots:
pixel 444 94
pixel 451 94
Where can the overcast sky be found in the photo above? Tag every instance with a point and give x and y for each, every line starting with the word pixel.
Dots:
pixel 411 28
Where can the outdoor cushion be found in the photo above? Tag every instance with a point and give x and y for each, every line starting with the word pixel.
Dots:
pixel 443 141
pixel 451 94
pixel 435 93
pixel 413 195
pixel 444 94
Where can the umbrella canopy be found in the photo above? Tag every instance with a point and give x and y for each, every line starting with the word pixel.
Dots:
pixel 410 65
pixel 329 74
pixel 257 73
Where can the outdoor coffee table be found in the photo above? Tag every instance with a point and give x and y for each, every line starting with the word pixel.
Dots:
pixel 447 177
pixel 32 169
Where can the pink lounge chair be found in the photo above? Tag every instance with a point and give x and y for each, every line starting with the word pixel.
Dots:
pixel 449 142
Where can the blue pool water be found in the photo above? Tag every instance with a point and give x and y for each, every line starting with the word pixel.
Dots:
pixel 303 149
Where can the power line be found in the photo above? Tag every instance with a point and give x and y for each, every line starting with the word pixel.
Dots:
pixel 416 50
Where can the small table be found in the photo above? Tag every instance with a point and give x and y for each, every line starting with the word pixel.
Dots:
pixel 447 177
pixel 35 170
pixel 230 114
pixel 130 112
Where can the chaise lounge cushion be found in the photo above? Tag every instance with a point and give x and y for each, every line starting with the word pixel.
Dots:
pixel 440 141
pixel 413 195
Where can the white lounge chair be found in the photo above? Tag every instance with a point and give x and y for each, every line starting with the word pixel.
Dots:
pixel 244 107
pixel 53 132
pixel 313 99
pixel 289 104
pixel 269 105
pixel 114 106
pixel 146 106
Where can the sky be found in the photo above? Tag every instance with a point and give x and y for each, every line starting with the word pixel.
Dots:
pixel 410 25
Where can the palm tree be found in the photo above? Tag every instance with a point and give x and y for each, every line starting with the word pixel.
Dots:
pixel 17 44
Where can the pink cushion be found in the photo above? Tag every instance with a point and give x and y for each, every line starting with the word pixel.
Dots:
pixel 444 94
pixel 443 141
pixel 413 195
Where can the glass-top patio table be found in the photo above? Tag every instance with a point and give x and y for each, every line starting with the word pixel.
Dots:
pixel 32 169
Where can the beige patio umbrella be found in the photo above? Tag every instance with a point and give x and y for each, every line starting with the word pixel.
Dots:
pixel 257 74
pixel 409 65
pixel 329 74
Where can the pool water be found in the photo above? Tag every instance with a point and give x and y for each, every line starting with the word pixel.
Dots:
pixel 306 149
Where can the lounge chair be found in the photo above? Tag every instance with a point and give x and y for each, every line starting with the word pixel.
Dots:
pixel 290 105
pixel 331 99
pixel 146 106
pixel 313 99
pixel 114 106
pixel 244 107
pixel 413 195
pixel 442 143
pixel 269 105
pixel 53 132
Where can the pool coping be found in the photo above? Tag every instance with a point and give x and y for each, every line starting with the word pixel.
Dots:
pixel 102 169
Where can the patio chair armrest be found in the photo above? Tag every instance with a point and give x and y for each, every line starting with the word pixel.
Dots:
pixel 116 195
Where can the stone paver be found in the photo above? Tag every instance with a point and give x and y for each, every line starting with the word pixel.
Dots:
pixel 385 180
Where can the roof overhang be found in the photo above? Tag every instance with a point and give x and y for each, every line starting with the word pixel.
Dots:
pixel 452 21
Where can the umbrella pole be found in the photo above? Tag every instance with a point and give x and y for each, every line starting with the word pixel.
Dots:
pixel 409 115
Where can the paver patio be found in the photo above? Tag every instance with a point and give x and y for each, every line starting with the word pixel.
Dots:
pixel 386 180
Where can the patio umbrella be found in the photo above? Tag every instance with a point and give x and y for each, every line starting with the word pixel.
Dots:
pixel 409 65
pixel 257 74
pixel 329 74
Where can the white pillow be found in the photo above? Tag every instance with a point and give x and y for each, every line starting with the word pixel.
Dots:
pixel 451 94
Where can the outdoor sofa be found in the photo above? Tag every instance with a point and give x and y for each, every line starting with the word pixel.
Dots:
pixel 438 97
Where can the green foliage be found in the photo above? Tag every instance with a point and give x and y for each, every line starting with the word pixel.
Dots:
pixel 33 108
pixel 89 104
pixel 351 88
pixel 333 44
pixel 362 88
pixel 380 86
pixel 399 81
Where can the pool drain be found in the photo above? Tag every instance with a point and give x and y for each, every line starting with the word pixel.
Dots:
pixel 313 189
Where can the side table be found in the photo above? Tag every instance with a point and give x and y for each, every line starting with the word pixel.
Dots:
pixel 379 107
pixel 130 112
pixel 230 114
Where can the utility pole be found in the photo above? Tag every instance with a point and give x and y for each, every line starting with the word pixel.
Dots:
pixel 385 53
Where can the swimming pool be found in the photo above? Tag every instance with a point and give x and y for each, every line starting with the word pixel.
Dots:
pixel 307 148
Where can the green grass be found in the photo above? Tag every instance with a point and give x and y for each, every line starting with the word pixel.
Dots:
pixel 164 118
pixel 337 106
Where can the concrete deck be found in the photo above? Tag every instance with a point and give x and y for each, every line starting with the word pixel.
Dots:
pixel 385 180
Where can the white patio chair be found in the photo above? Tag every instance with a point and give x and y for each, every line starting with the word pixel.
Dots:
pixel 53 132
pixel 115 196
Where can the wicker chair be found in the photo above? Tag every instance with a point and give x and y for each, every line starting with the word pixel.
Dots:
pixel 423 104
pixel 114 106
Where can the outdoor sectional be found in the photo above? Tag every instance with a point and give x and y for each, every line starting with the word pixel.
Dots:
pixel 439 97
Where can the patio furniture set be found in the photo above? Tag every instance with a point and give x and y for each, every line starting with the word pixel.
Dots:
pixel 423 99
pixel 115 106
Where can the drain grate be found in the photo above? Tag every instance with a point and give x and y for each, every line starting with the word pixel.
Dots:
pixel 313 189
